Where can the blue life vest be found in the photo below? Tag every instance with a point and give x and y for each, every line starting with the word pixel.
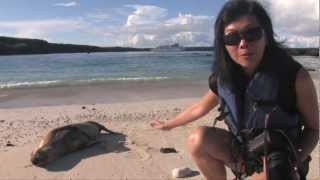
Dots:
pixel 260 107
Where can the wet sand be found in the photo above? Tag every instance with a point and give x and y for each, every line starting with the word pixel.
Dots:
pixel 110 92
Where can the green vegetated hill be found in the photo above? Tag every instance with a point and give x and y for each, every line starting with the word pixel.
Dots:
pixel 10 46
pixel 13 46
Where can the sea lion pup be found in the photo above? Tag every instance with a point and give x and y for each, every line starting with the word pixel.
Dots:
pixel 66 139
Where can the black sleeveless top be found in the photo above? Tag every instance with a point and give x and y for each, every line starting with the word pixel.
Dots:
pixel 285 68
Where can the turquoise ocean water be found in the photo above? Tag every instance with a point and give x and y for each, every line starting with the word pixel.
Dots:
pixel 27 71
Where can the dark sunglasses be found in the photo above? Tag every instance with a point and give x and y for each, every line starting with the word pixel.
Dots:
pixel 250 35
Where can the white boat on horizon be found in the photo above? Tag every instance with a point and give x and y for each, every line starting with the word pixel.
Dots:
pixel 169 48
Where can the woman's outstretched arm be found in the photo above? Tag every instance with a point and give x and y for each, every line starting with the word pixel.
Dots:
pixel 192 113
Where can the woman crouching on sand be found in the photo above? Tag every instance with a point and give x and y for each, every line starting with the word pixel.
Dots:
pixel 261 90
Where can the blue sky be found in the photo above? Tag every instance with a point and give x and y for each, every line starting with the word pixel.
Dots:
pixel 146 23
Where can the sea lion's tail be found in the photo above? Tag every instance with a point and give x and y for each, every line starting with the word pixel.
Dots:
pixel 102 127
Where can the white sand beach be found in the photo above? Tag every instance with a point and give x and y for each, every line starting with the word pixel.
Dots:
pixel 26 118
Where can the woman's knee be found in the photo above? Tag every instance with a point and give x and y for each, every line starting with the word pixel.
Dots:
pixel 214 142
pixel 197 139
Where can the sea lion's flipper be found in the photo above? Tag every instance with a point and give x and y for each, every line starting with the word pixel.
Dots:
pixel 101 127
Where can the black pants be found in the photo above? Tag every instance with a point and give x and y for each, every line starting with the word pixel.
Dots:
pixel 280 167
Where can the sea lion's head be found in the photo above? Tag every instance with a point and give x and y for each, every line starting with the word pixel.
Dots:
pixel 42 156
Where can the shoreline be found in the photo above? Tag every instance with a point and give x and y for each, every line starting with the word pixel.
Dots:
pixel 111 92
pixel 97 93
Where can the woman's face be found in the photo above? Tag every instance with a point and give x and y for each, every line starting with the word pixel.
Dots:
pixel 245 42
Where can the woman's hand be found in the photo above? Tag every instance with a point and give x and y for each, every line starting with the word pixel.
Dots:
pixel 192 113
pixel 159 125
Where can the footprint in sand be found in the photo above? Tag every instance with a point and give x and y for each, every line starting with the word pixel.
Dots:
pixel 141 149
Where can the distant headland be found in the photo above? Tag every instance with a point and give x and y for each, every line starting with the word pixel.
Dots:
pixel 19 46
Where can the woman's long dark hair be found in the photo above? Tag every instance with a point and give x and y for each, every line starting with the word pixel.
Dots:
pixel 223 66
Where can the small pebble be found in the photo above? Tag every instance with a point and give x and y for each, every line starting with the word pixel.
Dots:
pixel 9 144
pixel 168 150
pixel 181 172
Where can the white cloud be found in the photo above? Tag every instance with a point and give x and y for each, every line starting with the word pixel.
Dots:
pixel 68 4
pixel 296 21
pixel 42 28
pixel 185 19
pixel 145 40
pixel 147 26
pixel 189 23
pixel 301 41
pixel 145 14
pixel 98 16
pixel 193 38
